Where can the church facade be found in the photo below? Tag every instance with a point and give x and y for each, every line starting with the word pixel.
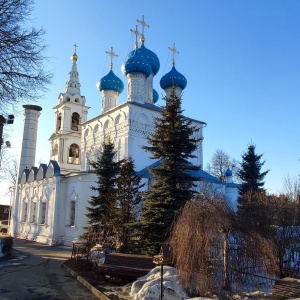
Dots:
pixel 49 202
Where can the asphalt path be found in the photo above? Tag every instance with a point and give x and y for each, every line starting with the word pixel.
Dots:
pixel 34 272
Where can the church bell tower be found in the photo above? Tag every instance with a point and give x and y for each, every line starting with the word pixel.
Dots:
pixel 70 113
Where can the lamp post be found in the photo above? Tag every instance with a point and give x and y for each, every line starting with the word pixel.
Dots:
pixel 3 120
pixel 163 258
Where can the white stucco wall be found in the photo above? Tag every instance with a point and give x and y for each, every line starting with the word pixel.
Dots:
pixel 57 193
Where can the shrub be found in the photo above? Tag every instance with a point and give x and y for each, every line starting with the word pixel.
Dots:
pixel 7 244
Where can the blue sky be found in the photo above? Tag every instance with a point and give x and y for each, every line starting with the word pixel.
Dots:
pixel 241 60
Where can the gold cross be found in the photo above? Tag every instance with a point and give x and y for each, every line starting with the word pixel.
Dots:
pixel 144 24
pixel 111 53
pixel 75 46
pixel 174 51
pixel 136 33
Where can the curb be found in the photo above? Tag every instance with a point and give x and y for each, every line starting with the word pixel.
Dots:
pixel 90 287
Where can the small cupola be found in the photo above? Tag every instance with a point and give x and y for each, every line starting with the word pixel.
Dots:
pixel 110 86
pixel 228 175
pixel 136 64
pixel 140 66
pixel 110 82
pixel 173 79
pixel 146 54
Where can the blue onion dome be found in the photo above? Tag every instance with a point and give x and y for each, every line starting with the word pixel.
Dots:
pixel 136 65
pixel 173 78
pixel 110 82
pixel 228 173
pixel 150 56
pixel 155 96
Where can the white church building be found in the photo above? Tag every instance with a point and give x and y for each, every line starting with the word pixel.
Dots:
pixel 49 201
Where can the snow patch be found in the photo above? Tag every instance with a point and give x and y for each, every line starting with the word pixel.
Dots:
pixel 148 286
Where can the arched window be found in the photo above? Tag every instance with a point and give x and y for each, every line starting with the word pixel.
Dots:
pixel 117 120
pixel 106 124
pixel 72 212
pixel 59 121
pixel 96 128
pixel 73 154
pixel 75 121
pixel 43 207
pixel 86 133
pixel 33 212
pixel 24 213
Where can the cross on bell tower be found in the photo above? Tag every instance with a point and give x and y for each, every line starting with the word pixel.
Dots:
pixel 74 57
pixel 75 46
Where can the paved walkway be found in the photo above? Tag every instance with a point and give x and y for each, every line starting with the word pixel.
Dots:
pixel 34 272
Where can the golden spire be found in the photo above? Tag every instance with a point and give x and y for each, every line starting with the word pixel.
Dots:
pixel 144 24
pixel 74 57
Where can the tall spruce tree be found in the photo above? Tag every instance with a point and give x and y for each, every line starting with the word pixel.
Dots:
pixel 102 213
pixel 173 143
pixel 129 199
pixel 250 171
pixel 251 188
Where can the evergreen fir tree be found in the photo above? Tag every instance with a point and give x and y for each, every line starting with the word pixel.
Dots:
pixel 102 212
pixel 251 189
pixel 173 143
pixel 250 171
pixel 129 199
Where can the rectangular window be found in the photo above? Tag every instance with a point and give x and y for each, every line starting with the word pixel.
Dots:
pixel 43 216
pixel 33 212
pixel 25 212
pixel 72 213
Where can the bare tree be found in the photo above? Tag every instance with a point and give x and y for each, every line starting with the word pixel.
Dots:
pixel 291 187
pixel 220 162
pixel 8 165
pixel 275 217
pixel 10 171
pixel 212 252
pixel 22 74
